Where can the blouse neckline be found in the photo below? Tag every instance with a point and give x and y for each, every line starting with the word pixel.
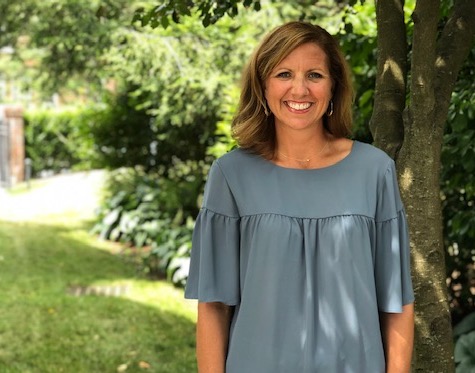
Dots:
pixel 334 165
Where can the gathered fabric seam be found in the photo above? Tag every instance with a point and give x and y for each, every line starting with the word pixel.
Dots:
pixel 220 213
pixel 299 217
pixel 390 219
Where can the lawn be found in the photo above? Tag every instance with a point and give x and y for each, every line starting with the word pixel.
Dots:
pixel 46 328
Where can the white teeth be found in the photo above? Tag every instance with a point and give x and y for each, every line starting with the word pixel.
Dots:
pixel 297 106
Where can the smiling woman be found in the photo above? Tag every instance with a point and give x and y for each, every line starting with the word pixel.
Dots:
pixel 300 257
pixel 297 65
pixel 298 93
pixel 299 89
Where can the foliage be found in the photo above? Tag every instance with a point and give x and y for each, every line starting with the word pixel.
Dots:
pixel 358 42
pixel 122 134
pixel 464 353
pixel 210 11
pixel 72 35
pixel 170 252
pixel 464 333
pixel 177 100
pixel 15 14
pixel 150 214
pixel 56 140
pixel 467 325
pixel 224 140
pixel 17 74
pixel 458 192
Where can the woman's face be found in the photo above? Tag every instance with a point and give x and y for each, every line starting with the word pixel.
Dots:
pixel 299 89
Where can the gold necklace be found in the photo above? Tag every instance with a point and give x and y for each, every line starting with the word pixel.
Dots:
pixel 306 160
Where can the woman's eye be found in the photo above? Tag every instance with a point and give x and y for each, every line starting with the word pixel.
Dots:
pixel 283 75
pixel 315 75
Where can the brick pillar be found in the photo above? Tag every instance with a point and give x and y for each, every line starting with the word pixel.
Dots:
pixel 14 116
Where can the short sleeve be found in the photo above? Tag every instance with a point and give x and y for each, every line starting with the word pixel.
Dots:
pixel 214 267
pixel 392 253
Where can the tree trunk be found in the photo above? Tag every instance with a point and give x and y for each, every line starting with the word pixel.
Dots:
pixel 434 68
pixel 390 92
pixel 419 169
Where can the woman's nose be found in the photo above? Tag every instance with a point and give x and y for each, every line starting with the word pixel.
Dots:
pixel 299 87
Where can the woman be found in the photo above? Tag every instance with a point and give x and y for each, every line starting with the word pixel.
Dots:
pixel 300 257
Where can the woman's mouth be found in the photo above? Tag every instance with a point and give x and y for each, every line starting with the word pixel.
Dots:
pixel 299 106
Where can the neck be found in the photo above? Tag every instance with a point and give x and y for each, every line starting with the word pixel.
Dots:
pixel 300 145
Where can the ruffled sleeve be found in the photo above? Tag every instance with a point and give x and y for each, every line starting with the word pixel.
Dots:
pixel 214 267
pixel 392 254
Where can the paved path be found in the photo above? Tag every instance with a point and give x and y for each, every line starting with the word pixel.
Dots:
pixel 75 194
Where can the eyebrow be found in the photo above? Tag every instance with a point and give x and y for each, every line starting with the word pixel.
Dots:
pixel 319 69
pixel 312 68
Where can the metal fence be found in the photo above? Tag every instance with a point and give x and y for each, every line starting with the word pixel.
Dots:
pixel 4 153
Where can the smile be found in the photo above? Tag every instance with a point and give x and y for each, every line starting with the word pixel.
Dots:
pixel 298 106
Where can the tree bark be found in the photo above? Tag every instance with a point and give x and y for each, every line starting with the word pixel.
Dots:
pixel 434 68
pixel 390 92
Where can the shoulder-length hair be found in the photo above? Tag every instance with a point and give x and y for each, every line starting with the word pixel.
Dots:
pixel 253 127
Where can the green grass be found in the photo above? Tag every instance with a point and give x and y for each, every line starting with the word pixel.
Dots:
pixel 45 329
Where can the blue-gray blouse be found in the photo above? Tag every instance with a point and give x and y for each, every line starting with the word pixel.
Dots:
pixel 308 257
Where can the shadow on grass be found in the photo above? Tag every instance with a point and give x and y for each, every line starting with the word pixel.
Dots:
pixel 43 328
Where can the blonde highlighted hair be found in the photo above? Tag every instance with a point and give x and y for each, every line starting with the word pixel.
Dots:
pixel 253 126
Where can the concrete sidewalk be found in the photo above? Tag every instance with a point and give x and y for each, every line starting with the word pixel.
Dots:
pixel 74 193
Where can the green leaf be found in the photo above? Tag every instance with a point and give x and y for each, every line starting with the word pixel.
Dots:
pixel 460 123
pixel 165 22
pixel 146 18
pixel 465 326
pixel 206 20
pixel 175 17
pixel 138 15
pixel 366 96
pixel 464 353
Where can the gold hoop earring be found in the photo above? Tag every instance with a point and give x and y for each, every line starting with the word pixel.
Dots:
pixel 330 112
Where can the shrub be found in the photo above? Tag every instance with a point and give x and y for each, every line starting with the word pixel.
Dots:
pixel 58 139
pixel 151 214
pixel 123 135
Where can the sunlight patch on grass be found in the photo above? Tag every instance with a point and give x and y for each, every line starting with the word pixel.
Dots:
pixel 157 294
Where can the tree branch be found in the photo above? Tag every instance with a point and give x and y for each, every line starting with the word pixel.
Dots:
pixel 390 92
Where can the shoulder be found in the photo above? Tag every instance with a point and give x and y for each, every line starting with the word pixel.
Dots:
pixel 372 156
pixel 240 168
pixel 236 159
